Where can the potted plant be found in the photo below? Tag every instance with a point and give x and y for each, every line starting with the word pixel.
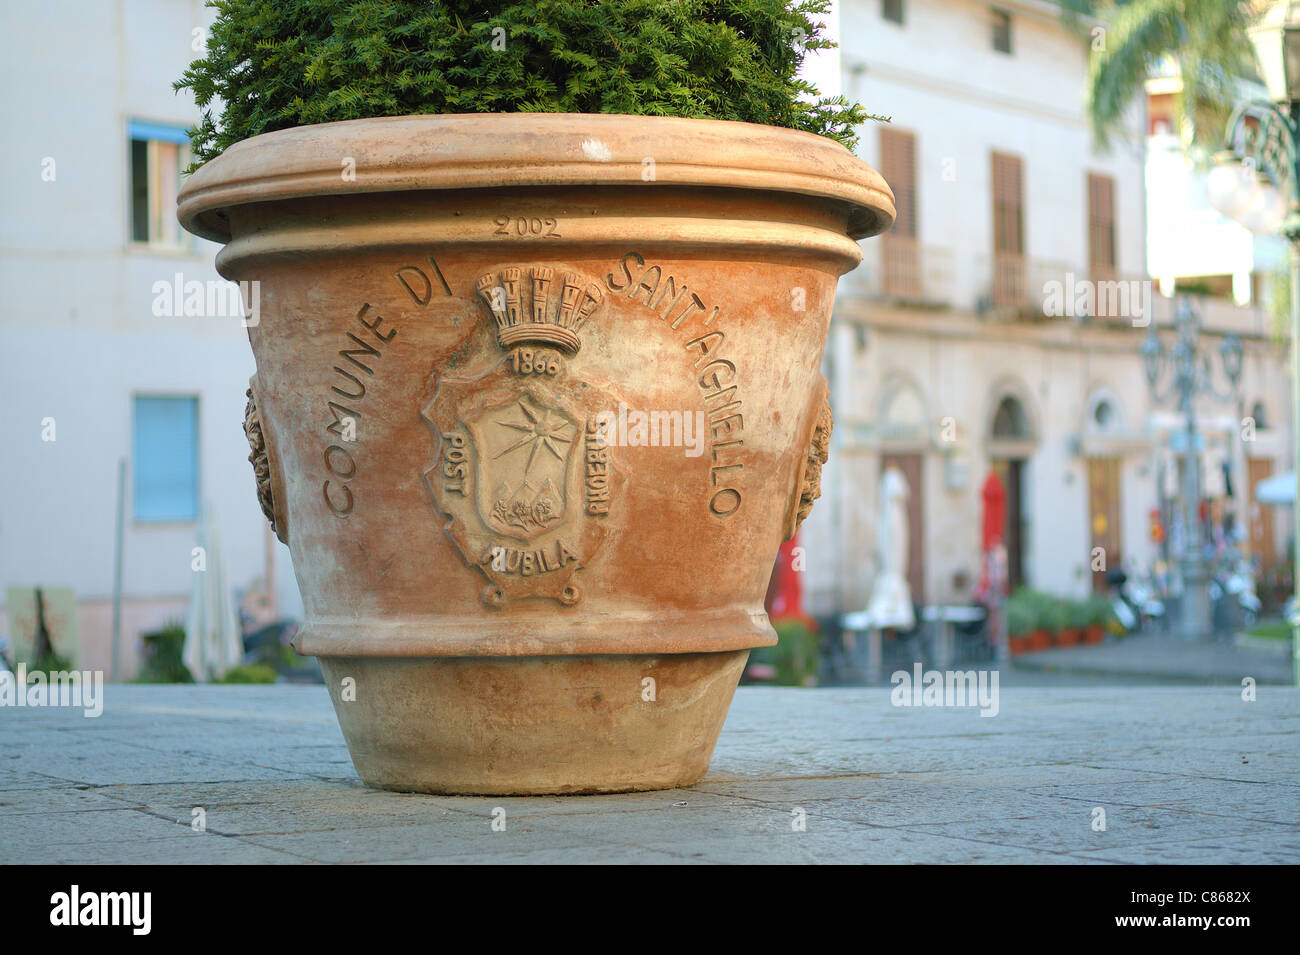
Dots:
pixel 1044 617
pixel 1056 619
pixel 1075 615
pixel 1020 623
pixel 543 298
pixel 1099 613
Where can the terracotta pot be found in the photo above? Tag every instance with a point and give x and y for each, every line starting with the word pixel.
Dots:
pixel 1095 633
pixel 1040 640
pixel 1017 645
pixel 1068 637
pixel 511 585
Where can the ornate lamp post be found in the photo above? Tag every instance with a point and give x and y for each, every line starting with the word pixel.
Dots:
pixel 1190 377
pixel 1262 191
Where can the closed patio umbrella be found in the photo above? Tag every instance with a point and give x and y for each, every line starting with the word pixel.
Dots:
pixel 214 642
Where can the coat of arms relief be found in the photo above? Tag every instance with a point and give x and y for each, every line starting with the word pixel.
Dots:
pixel 523 470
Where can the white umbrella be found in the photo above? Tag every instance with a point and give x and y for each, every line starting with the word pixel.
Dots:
pixel 891 600
pixel 213 640
pixel 1278 489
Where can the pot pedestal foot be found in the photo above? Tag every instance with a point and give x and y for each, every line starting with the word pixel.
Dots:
pixel 533 725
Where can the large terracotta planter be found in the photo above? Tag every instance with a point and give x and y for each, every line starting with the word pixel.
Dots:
pixel 506 593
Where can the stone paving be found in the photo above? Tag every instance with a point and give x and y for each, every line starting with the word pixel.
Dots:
pixel 1183 775
pixel 1168 659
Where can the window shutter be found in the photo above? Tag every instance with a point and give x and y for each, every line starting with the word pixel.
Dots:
pixel 1101 225
pixel 898 166
pixel 1008 206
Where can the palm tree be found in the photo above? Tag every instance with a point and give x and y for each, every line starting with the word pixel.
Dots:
pixel 1205 39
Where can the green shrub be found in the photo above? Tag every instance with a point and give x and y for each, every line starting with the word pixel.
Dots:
pixel 51 662
pixel 1078 613
pixel 1038 605
pixel 1056 616
pixel 1271 630
pixel 162 656
pixel 795 657
pixel 1099 611
pixel 1021 618
pixel 274 64
pixel 249 673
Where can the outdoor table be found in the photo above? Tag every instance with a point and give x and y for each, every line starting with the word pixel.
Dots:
pixel 860 622
pixel 944 616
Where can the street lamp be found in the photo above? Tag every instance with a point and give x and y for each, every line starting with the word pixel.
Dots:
pixel 1190 377
pixel 1276 39
pixel 1265 139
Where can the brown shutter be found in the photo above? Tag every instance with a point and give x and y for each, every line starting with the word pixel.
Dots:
pixel 1101 226
pixel 898 166
pixel 1008 205
pixel 901 257
pixel 1009 281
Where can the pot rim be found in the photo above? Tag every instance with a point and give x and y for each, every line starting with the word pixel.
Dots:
pixel 504 150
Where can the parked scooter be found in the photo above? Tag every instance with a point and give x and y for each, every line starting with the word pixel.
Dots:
pixel 1236 605
pixel 1134 602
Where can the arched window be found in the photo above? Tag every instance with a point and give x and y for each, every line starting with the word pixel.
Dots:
pixel 903 415
pixel 1010 421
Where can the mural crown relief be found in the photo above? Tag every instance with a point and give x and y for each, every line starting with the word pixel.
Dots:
pixel 526 310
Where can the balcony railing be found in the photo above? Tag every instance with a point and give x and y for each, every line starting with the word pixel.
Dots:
pixel 907 273
pixel 899 271
pixel 1014 286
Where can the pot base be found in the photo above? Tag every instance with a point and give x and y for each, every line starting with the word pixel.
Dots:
pixel 533 725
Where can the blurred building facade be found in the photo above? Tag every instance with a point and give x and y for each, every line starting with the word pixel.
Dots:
pixel 949 355
pixel 941 359
pixel 124 343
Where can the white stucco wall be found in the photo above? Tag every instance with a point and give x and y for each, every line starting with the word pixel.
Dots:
pixel 76 319
pixel 938 77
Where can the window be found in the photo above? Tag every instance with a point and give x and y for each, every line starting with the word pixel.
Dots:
pixel 892 10
pixel 898 166
pixel 1008 207
pixel 158 155
pixel 1001 31
pixel 901 261
pixel 1010 420
pixel 1009 288
pixel 1101 227
pixel 165 459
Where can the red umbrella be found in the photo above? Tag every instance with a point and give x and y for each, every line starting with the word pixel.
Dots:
pixel 785 590
pixel 995 510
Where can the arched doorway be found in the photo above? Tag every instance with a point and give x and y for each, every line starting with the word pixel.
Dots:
pixel 1104 421
pixel 904 438
pixel 1010 446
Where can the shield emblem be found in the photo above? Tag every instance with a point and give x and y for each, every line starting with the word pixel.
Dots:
pixel 524 451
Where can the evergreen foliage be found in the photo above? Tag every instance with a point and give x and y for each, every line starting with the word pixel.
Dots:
pixel 274 64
